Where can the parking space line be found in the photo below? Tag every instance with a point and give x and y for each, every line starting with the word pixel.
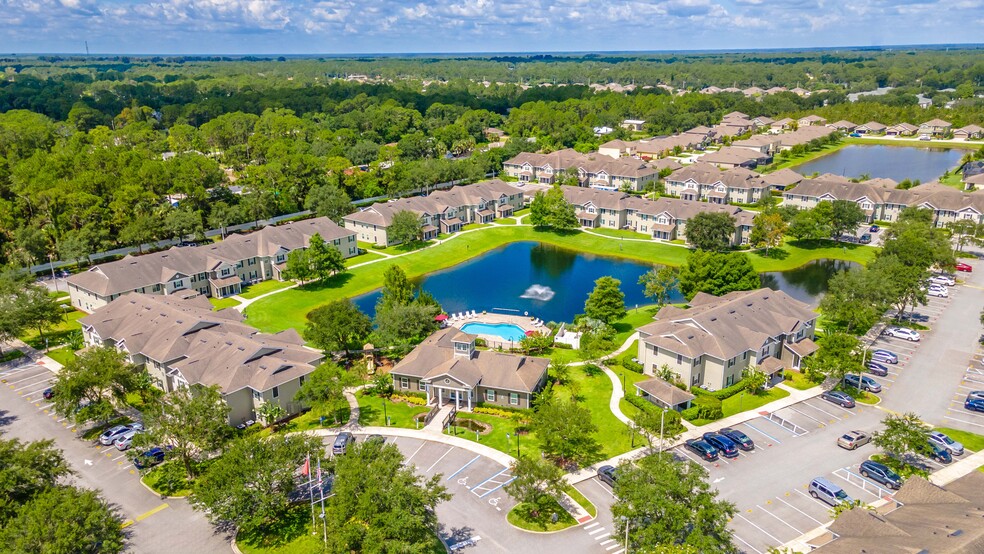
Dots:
pixel 598 530
pixel 863 481
pixel 614 546
pixel 599 537
pixel 688 456
pixel 822 423
pixel 819 409
pixel 766 533
pixel 407 461
pixel 438 460
pixel 963 421
pixel 735 535
pixel 35 376
pixel 486 493
pixel 806 495
pixel 42 389
pixel 764 434
pixel 595 524
pixel 603 487
pixel 780 520
pixel 818 522
pixel 462 468
pixel 505 469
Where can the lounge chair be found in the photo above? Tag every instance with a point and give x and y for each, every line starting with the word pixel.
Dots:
pixel 473 314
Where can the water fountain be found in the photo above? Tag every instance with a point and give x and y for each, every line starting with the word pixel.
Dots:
pixel 538 292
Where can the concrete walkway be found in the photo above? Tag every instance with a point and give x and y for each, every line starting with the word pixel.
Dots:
pixel 243 302
pixel 37 356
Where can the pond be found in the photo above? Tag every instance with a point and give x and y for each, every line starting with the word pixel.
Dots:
pixel 892 162
pixel 552 283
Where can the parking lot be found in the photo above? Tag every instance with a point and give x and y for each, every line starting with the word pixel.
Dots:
pixel 474 520
pixel 149 520
pixel 973 380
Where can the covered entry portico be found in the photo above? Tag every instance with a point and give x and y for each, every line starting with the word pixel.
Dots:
pixel 444 388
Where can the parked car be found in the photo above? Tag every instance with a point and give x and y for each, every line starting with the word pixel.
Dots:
pixel 372 439
pixel 149 458
pixel 48 393
pixel 822 489
pixel 863 382
pixel 739 438
pixel 865 239
pixel 902 333
pixel 877 368
pixel 837 397
pixel 125 441
pixel 726 446
pixel 608 475
pixel 925 137
pixel 939 292
pixel 702 449
pixel 941 439
pixel 884 357
pixel 975 394
pixel 340 446
pixel 874 229
pixel 855 135
pixel 963 267
pixel 110 435
pixel 880 473
pixel 974 403
pixel 941 455
pixel 853 439
pixel 943 279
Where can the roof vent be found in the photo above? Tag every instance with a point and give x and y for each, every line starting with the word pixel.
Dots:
pixel 715 319
pixel 731 311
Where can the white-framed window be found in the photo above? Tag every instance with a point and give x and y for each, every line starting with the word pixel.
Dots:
pixel 276 392
pixel 513 399
pixel 257 395
pixel 179 284
pixel 679 358
pixel 404 383
pixel 489 395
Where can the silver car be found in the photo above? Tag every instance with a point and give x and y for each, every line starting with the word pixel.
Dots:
pixel 945 442
pixel 125 441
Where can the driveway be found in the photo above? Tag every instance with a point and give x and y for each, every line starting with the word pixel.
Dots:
pixel 151 521
pixel 474 520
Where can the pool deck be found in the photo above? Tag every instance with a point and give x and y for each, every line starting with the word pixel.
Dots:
pixel 524 322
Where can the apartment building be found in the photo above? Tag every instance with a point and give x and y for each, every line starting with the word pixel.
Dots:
pixel 216 270
pixel 593 170
pixel 703 181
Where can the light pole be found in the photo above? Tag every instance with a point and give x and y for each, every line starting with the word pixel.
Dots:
pixel 626 520
pixel 385 417
pixel 51 266
pixel 864 356
pixel 662 419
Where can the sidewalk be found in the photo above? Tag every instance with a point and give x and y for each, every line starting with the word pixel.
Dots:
pixel 35 356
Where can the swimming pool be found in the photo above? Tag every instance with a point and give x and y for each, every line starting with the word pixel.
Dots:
pixel 506 331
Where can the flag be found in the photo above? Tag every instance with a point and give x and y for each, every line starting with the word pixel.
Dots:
pixel 319 473
pixel 306 468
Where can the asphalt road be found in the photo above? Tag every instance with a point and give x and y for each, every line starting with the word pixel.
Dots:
pixel 156 525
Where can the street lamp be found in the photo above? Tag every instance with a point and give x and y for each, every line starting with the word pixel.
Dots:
pixel 51 266
pixel 864 356
pixel 626 520
pixel 662 419
pixel 385 417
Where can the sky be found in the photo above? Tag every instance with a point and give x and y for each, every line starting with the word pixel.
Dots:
pixel 453 26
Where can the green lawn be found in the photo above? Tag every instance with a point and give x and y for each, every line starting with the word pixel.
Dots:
pixel 58 334
pixel 168 478
pixel 288 309
pixel 521 212
pixel 521 517
pixel 263 287
pixel 799 381
pixel 11 355
pixel 312 420
pixel 954 180
pixel 368 256
pixel 394 249
pixel 595 391
pixel 496 438
pixel 505 221
pixel 580 499
pixel 62 355
pixel 401 414
pixel 223 303
pixel 914 142
pixel 59 294
pixel 621 233
pixel 782 162
pixel 628 378
pixel 470 226
pixel 971 441
pixel 636 317
pixel 745 402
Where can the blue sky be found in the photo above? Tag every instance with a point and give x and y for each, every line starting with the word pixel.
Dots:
pixel 354 26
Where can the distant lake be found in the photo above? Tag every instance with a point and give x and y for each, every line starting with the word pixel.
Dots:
pixel 552 283
pixel 892 162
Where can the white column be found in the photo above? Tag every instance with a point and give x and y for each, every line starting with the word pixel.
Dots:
pixel 440 396
pixel 427 389
pixel 469 400
pixel 457 400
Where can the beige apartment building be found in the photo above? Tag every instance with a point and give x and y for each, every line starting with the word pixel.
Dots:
pixel 182 342
pixel 703 181
pixel 219 269
pixel 712 343
pixel 593 170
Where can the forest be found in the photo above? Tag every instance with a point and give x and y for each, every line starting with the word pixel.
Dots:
pixel 97 153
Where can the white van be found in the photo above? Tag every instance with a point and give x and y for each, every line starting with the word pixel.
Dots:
pixel 830 493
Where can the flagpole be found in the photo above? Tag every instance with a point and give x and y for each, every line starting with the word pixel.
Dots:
pixel 321 489
pixel 310 476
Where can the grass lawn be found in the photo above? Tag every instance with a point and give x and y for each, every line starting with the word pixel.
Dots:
pixel 470 226
pixel 636 317
pixel 496 438
pixel 288 309
pixel 263 287
pixel 971 441
pixel 744 402
pixel 580 499
pixel 56 335
pixel 395 249
pixel 913 142
pixel 168 478
pixel 521 517
pixel 520 212
pixel 798 381
pixel 223 303
pixel 363 258
pixel 62 355
pixel 59 294
pixel 783 163
pixel 595 391
pixel 505 221
pixel 11 355
pixel 563 355
pixel 400 414
pixel 312 420
pixel 621 233
pixel 953 180
pixel 629 378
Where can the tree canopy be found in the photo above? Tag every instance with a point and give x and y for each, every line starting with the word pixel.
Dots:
pixel 607 301
pixel 94 385
pixel 551 209
pixel 717 273
pixel 711 231
pixel 337 325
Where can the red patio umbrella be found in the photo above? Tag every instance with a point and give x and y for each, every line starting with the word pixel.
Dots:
pixel 530 333
pixel 440 317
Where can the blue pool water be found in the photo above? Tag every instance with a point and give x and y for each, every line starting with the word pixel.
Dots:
pixel 506 331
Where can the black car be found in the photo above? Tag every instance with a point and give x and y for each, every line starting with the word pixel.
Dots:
pixel 863 382
pixel 939 454
pixel 149 458
pixel 48 393
pixel 874 228
pixel 375 439
pixel 877 368
pixel 702 449
pixel 837 397
pixel 726 446
pixel 880 473
pixel 739 438
pixel 608 474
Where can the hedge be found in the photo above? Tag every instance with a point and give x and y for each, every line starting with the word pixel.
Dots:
pixel 672 416
pixel 627 362
pixel 722 394
pixel 415 400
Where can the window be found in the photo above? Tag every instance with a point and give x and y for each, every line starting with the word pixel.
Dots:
pixel 404 383
pixel 300 380
pixel 179 284
pixel 744 355
pixel 257 395
pixel 679 358
pixel 489 395
pixel 276 392
pixel 731 362
pixel 513 399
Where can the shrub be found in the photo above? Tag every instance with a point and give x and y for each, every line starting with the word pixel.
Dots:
pixel 691 413
pixel 630 364
pixel 518 414
pixel 709 412
pixel 479 341
pixel 415 400
pixel 563 346
pixel 722 394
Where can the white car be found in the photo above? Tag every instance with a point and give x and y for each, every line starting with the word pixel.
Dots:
pixel 902 333
pixel 939 292
pixel 942 279
pixel 945 442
